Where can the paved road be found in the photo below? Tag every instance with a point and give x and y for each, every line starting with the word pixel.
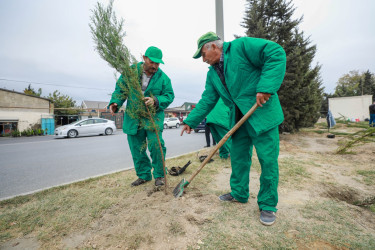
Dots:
pixel 34 163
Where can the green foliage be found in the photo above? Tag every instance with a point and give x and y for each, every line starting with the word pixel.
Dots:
pixel 301 93
pixel 64 105
pixel 107 32
pixel 30 91
pixel 362 136
pixel 16 133
pixel 355 83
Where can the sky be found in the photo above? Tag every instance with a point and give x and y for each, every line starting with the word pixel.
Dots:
pixel 48 43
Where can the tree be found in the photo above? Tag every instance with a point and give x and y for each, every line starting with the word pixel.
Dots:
pixel 30 91
pixel 301 93
pixel 64 105
pixel 107 33
pixel 349 84
pixel 355 84
pixel 369 84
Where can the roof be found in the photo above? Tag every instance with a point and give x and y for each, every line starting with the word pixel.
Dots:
pixel 94 104
pixel 21 93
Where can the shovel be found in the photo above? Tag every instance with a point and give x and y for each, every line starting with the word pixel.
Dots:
pixel 179 189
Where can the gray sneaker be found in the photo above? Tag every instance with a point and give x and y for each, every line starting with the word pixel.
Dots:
pixel 159 181
pixel 227 197
pixel 267 218
pixel 138 182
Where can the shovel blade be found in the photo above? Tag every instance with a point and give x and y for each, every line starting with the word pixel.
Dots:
pixel 179 189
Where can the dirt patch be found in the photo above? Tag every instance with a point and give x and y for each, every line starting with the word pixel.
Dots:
pixel 319 244
pixel 343 193
pixel 21 244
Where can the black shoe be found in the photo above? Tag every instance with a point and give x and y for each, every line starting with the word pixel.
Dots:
pixel 267 218
pixel 227 197
pixel 159 181
pixel 207 146
pixel 138 182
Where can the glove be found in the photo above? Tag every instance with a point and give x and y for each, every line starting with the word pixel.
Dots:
pixel 175 171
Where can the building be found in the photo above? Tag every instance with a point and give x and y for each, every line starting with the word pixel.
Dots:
pixel 354 108
pixel 180 112
pixel 92 108
pixel 19 111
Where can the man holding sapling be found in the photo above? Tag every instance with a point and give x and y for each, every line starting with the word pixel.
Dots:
pixel 244 72
pixel 158 95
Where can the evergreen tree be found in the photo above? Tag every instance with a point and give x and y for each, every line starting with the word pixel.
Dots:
pixel 30 91
pixel 300 94
pixel 369 84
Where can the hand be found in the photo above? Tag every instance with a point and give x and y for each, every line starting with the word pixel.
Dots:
pixel 149 101
pixel 262 98
pixel 113 108
pixel 186 128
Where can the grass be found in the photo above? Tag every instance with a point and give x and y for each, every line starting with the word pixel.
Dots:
pixel 55 212
pixel 334 222
pixel 197 218
pixel 368 176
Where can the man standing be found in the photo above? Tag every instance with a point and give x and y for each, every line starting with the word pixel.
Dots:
pixel 372 115
pixel 243 72
pixel 218 123
pixel 207 133
pixel 157 89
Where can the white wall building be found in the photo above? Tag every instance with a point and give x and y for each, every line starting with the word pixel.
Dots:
pixel 351 107
pixel 21 111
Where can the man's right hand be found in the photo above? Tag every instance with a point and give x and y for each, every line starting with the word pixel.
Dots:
pixel 186 128
pixel 113 108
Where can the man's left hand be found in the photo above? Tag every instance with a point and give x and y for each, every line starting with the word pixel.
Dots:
pixel 262 98
pixel 149 101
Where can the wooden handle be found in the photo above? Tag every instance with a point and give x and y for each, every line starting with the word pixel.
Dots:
pixel 224 139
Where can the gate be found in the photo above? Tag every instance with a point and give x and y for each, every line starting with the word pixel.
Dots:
pixel 48 125
pixel 118 118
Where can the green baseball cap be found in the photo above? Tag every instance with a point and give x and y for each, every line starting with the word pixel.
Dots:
pixel 154 54
pixel 206 38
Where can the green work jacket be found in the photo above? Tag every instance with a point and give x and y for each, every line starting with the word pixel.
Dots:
pixel 219 115
pixel 159 86
pixel 251 65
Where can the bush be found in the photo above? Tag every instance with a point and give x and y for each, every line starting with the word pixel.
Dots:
pixel 16 133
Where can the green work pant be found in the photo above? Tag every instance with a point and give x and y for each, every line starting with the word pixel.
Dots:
pixel 142 164
pixel 267 148
pixel 218 132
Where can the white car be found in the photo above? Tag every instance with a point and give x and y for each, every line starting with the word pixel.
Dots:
pixel 91 126
pixel 171 122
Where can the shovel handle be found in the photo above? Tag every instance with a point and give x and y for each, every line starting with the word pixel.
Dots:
pixel 224 139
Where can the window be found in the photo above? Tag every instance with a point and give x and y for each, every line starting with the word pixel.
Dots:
pixel 87 122
pixel 7 127
pixel 100 121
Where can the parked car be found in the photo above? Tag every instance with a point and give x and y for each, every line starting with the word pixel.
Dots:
pixel 171 122
pixel 91 126
pixel 201 126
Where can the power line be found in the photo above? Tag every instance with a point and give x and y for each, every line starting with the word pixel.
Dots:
pixel 51 84
pixel 78 87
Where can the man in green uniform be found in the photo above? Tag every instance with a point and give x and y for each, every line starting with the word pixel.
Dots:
pixel 218 122
pixel 243 72
pixel 157 89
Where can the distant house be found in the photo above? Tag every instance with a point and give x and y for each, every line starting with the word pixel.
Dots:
pixel 180 112
pixel 19 111
pixel 350 107
pixel 93 108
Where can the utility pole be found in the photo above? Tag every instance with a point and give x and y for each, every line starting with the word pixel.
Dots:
pixel 219 18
